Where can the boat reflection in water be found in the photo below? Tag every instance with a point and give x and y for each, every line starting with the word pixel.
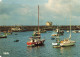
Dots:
pixel 66 50
pixel 28 47
pixel 34 51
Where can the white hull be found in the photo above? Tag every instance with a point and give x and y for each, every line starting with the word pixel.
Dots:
pixel 56 45
pixel 67 44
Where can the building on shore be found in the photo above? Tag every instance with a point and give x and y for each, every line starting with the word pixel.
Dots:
pixel 16 29
pixel 48 23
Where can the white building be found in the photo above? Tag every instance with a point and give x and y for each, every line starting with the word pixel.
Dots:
pixel 16 29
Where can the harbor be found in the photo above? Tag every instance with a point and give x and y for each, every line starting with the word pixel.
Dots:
pixel 36 28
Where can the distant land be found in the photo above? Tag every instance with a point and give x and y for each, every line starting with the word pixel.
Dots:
pixel 48 28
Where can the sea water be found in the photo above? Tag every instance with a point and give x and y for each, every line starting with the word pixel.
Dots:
pixel 9 48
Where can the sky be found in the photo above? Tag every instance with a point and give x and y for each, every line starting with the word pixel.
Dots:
pixel 25 12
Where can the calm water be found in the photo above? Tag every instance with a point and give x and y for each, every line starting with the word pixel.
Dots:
pixel 9 48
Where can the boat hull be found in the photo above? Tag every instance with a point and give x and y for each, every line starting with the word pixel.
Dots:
pixel 30 44
pixel 56 45
pixel 3 36
pixel 38 43
pixel 52 38
pixel 67 44
pixel 64 44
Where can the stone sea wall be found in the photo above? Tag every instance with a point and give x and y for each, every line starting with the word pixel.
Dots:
pixel 31 28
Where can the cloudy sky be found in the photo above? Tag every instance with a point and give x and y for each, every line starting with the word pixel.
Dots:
pixel 25 12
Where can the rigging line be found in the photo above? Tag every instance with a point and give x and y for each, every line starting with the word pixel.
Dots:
pixel 38 18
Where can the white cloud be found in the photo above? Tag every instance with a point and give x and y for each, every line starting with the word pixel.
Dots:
pixel 58 6
pixel 62 6
pixel 0 0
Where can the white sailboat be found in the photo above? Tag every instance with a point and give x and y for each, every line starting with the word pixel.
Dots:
pixel 65 42
pixel 68 41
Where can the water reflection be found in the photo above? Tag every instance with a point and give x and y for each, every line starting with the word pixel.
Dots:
pixel 34 51
pixel 61 50
pixel 66 51
pixel 29 48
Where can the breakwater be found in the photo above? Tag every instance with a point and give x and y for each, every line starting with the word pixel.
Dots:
pixel 31 28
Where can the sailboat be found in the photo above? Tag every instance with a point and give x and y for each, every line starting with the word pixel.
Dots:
pixel 3 36
pixel 36 41
pixel 37 34
pixel 65 42
pixel 68 41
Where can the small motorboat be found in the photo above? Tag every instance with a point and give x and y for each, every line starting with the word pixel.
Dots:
pixel 16 34
pixel 54 35
pixel 67 31
pixel 56 45
pixel 52 38
pixel 16 41
pixel 3 36
pixel 42 31
pixel 75 31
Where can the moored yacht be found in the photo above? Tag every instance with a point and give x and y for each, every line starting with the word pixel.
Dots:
pixel 67 42
pixel 36 39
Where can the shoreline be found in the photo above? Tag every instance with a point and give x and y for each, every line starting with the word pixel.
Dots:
pixel 48 28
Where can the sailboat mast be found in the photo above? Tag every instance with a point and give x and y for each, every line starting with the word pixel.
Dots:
pixel 38 18
pixel 70 21
pixel 70 26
